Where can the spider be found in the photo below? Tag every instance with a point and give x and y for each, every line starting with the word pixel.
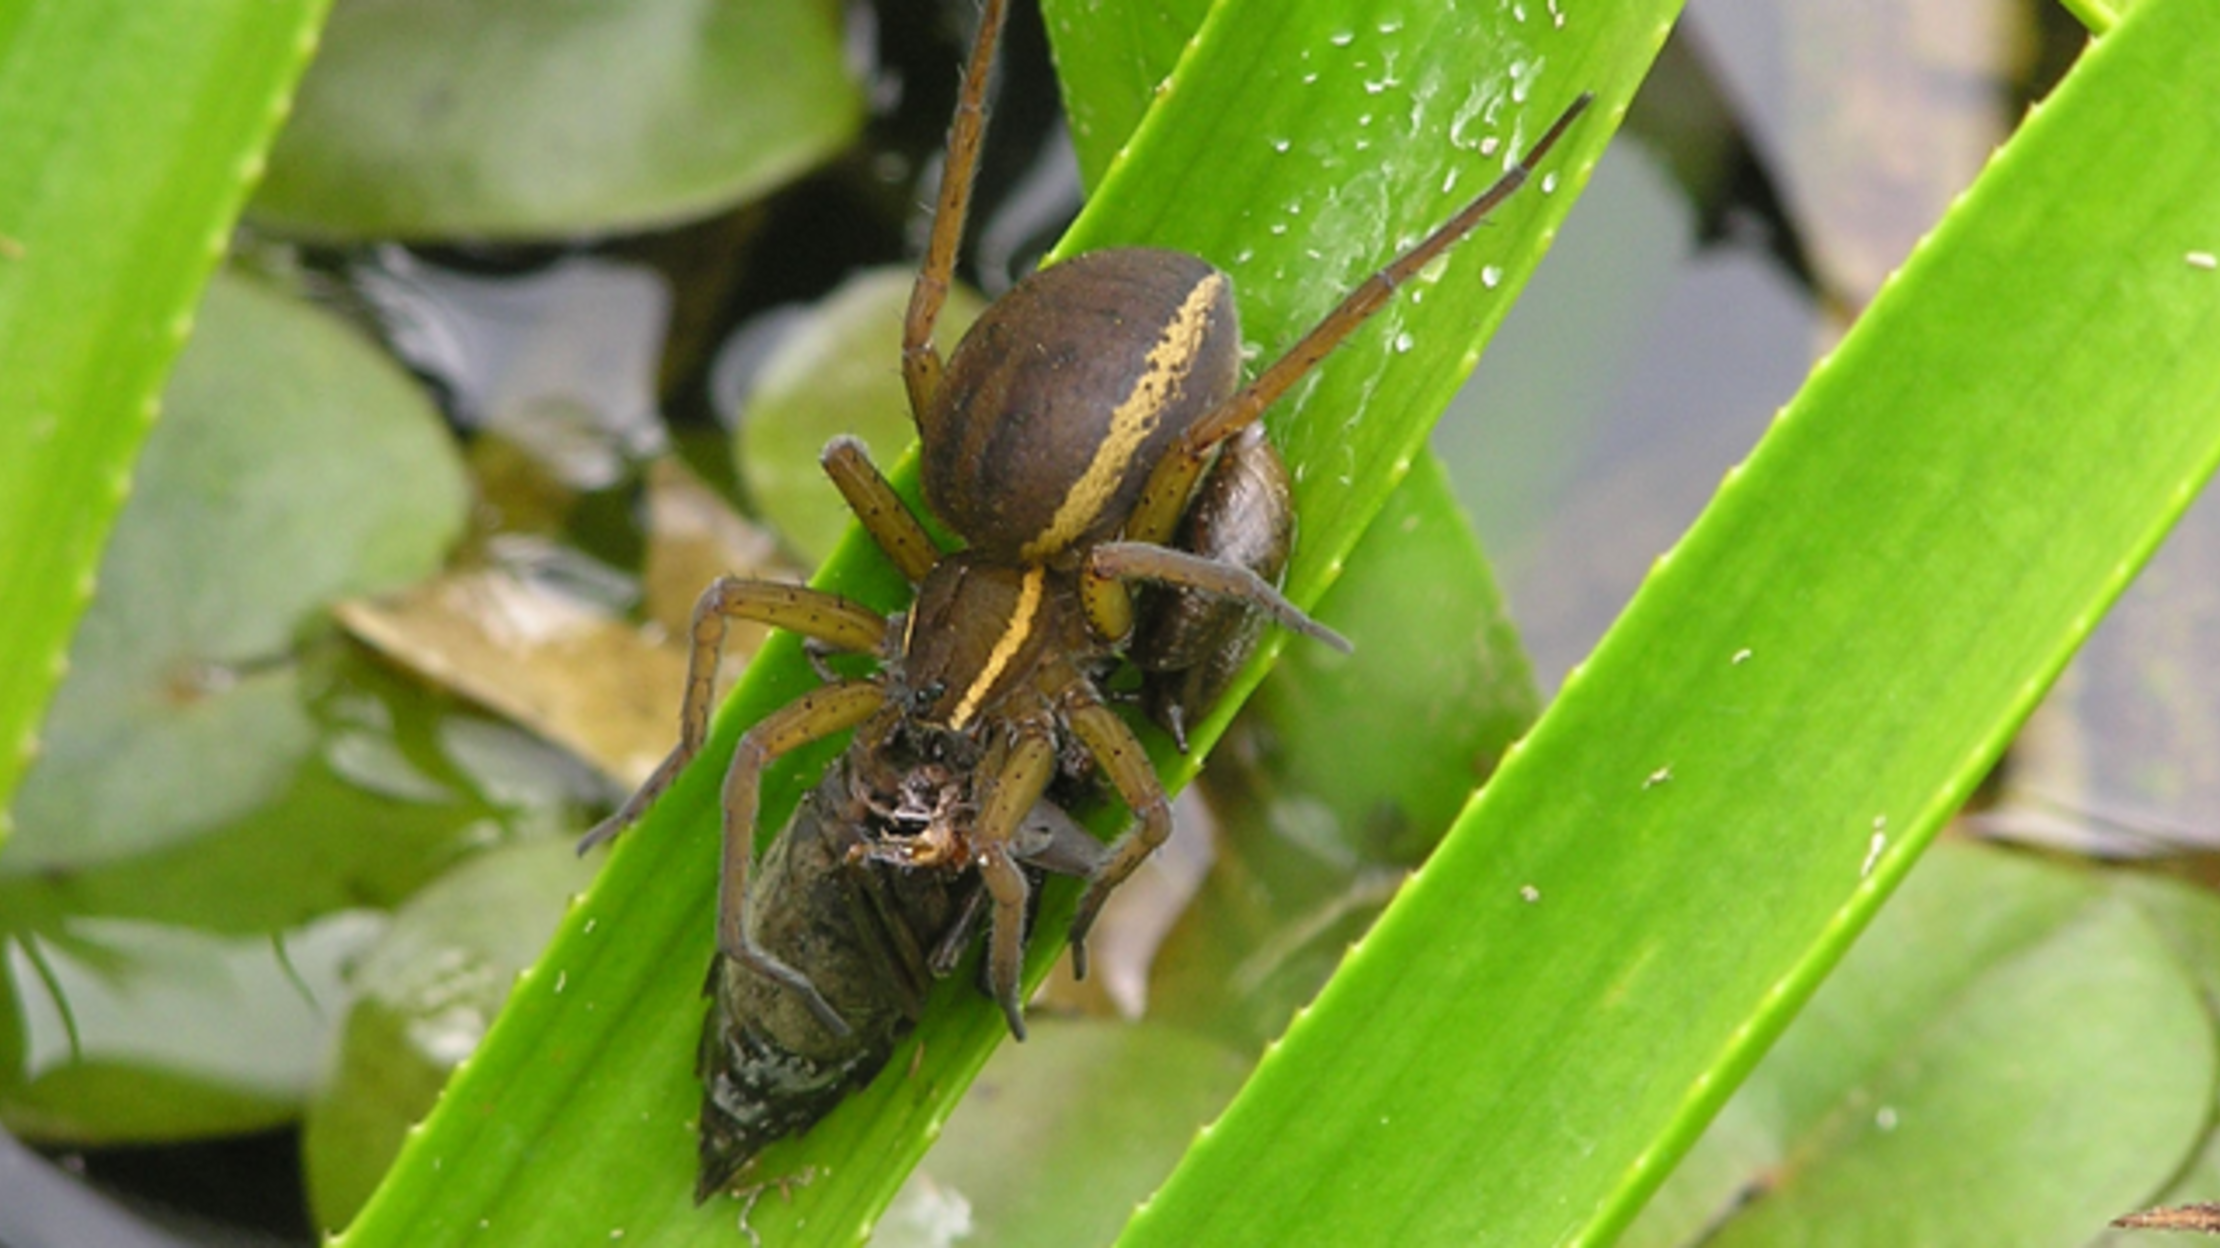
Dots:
pixel 1063 441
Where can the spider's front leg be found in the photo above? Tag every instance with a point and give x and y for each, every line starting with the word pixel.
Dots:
pixel 1016 772
pixel 837 622
pixel 813 716
pixel 1115 749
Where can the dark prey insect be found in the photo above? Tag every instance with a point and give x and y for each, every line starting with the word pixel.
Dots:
pixel 1063 441
pixel 837 898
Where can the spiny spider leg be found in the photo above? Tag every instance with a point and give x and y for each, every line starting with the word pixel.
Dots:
pixel 813 716
pixel 921 360
pixel 827 618
pixel 1175 476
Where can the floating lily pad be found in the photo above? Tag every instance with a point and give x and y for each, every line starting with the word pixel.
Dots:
pixel 521 118
pixel 1062 1135
pixel 294 465
pixel 399 787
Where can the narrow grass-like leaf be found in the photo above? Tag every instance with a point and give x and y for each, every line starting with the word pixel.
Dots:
pixel 1110 59
pixel 1804 689
pixel 577 1113
pixel 132 132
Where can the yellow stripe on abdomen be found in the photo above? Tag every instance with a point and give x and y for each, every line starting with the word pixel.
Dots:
pixel 1133 420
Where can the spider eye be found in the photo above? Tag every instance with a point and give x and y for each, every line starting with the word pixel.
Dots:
pixel 926 695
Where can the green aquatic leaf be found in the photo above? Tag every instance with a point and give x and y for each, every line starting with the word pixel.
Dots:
pixel 522 119
pixel 421 998
pixel 137 1032
pixel 1111 60
pixel 203 951
pixel 298 465
pixel 220 797
pixel 1352 769
pixel 1061 1134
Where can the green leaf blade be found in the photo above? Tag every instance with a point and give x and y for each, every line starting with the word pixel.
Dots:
pixel 1110 63
pixel 1399 118
pixel 1803 690
pixel 135 132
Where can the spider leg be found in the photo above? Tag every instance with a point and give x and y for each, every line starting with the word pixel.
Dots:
pixel 1126 764
pixel 885 516
pixel 816 714
pixel 1111 563
pixel 1016 775
pixel 921 361
pixel 827 618
pixel 1173 480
